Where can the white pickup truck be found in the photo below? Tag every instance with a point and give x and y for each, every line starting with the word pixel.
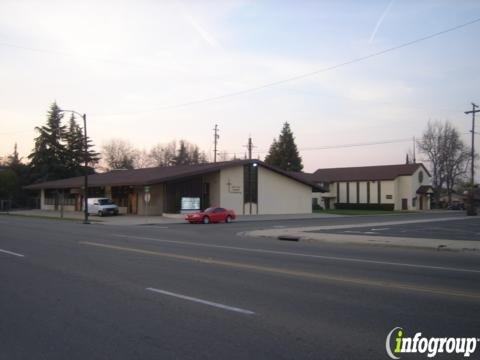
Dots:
pixel 102 206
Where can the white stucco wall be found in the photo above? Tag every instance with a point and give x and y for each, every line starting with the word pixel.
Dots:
pixel 278 194
pixel 155 206
pixel 230 180
pixel 363 192
pixel 388 188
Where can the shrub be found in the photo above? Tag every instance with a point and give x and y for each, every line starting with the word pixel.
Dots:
pixel 355 206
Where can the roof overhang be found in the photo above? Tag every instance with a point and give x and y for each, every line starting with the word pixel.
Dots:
pixel 424 190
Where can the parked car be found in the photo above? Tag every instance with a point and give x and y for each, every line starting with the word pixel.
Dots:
pixel 102 206
pixel 211 215
pixel 456 206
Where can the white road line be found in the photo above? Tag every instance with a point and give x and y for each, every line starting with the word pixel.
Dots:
pixel 324 257
pixel 11 253
pixel 205 302
pixel 380 229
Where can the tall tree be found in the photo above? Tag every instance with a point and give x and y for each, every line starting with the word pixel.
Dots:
pixel 75 149
pixel 14 160
pixel 47 160
pixel 164 155
pixel 182 157
pixel 284 153
pixel 119 154
pixel 447 154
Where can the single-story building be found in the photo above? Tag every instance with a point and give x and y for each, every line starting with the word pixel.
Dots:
pixel 388 187
pixel 246 186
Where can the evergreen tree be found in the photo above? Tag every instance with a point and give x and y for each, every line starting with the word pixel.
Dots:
pixel 15 165
pixel 182 157
pixel 272 157
pixel 14 160
pixel 284 153
pixel 47 160
pixel 75 150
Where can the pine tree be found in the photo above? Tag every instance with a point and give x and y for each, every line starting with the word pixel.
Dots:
pixel 182 157
pixel 272 157
pixel 75 150
pixel 284 153
pixel 14 160
pixel 47 160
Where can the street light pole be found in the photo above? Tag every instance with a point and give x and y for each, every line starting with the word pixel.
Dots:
pixel 472 210
pixel 85 220
pixel 85 140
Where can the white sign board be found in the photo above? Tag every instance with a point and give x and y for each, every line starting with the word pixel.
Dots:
pixel 190 204
pixel 147 197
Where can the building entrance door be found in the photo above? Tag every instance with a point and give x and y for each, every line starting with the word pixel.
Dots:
pixel 133 203
pixel 327 203
pixel 404 204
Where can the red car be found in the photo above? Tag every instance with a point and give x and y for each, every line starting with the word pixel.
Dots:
pixel 211 215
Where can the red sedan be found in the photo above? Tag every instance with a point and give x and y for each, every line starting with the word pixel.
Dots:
pixel 211 215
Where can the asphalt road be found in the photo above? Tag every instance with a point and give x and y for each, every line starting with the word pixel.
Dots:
pixel 451 230
pixel 74 291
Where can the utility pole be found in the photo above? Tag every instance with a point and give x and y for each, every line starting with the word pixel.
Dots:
pixel 215 142
pixel 250 147
pixel 473 111
pixel 414 146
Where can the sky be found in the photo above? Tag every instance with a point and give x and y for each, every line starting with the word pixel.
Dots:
pixel 154 71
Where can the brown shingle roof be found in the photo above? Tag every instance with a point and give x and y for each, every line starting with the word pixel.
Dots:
pixel 365 173
pixel 149 176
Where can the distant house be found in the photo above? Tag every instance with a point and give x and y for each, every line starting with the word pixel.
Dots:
pixel 246 186
pixel 389 187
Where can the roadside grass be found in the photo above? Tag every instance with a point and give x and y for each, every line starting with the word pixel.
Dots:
pixel 47 217
pixel 361 212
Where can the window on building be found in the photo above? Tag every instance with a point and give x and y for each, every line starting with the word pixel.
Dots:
pixel 389 197
pixel 250 183
pixel 414 202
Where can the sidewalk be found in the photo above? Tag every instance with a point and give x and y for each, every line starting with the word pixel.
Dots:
pixel 129 220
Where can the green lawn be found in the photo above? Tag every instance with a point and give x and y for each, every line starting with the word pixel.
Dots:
pixel 360 212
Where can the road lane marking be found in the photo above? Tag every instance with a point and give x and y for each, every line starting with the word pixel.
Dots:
pixel 379 229
pixel 11 253
pixel 297 273
pixel 323 257
pixel 201 301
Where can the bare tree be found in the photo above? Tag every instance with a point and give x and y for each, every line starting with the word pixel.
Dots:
pixel 447 154
pixel 164 154
pixel 119 154
pixel 223 156
pixel 142 159
pixel 169 154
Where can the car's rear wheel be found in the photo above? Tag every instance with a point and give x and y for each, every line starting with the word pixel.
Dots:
pixel 228 219
pixel 206 220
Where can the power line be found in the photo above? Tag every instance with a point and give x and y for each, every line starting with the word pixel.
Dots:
pixel 345 146
pixel 305 75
